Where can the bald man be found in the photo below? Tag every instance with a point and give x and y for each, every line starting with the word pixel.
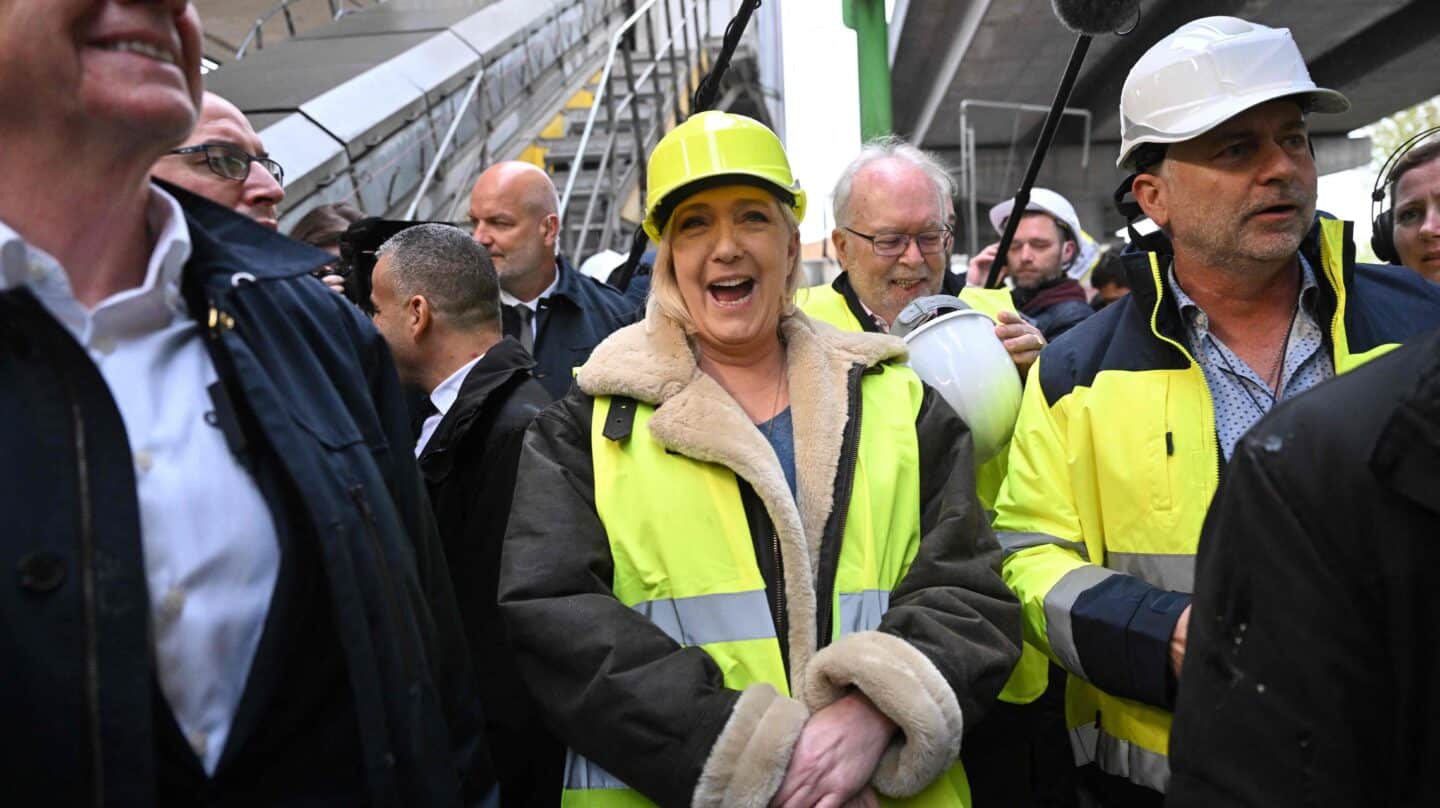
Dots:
pixel 224 161
pixel 553 309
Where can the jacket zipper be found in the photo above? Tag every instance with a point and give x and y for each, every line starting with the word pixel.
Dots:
pixel 1209 426
pixel 843 492
pixel 781 623
pixel 87 588
pixel 357 493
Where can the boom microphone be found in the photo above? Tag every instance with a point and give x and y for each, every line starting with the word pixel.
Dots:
pixel 1086 18
pixel 1095 17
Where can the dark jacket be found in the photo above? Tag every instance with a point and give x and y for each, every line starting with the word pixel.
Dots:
pixel 469 469
pixel 625 695
pixel 1311 671
pixel 571 321
pixel 1055 306
pixel 319 418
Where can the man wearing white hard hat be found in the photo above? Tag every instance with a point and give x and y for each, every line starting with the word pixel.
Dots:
pixel 1256 301
pixel 1043 262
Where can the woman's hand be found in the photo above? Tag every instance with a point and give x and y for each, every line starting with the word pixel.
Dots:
pixel 836 755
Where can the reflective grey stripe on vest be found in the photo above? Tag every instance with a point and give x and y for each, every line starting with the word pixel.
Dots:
pixel 1059 601
pixel 1013 542
pixel 861 611
pixel 1139 765
pixel 581 774
pixel 1167 571
pixel 727 617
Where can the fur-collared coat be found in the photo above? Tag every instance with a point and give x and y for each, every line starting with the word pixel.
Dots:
pixel 621 692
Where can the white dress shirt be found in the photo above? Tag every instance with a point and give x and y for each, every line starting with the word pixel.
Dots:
pixel 209 542
pixel 443 397
pixel 533 305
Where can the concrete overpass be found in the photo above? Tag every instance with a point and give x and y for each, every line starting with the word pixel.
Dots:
pixel 1380 53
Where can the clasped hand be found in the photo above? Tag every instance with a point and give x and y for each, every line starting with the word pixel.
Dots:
pixel 836 756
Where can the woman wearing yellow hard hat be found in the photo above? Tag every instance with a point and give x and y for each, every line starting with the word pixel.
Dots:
pixel 745 565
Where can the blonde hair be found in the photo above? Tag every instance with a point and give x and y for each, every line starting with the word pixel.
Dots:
pixel 665 298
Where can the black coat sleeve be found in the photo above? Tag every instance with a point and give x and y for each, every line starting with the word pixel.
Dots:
pixel 952 603
pixel 616 688
pixel 951 635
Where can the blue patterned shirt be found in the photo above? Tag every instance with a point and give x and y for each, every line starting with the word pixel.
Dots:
pixel 1241 397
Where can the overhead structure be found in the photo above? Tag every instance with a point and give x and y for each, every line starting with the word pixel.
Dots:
pixel 944 52
pixel 395 107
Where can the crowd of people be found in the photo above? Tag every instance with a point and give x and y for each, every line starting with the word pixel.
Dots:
pixel 405 513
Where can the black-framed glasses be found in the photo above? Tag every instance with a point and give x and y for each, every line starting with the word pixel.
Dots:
pixel 890 245
pixel 231 162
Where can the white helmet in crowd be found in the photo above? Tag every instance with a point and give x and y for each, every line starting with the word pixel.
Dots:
pixel 1047 201
pixel 958 354
pixel 1041 199
pixel 1205 73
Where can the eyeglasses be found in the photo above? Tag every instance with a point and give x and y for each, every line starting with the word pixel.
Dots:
pixel 893 244
pixel 232 163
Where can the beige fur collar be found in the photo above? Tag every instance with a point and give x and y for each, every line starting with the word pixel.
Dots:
pixel 653 362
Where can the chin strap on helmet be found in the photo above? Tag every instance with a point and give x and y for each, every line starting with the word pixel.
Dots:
pixel 923 310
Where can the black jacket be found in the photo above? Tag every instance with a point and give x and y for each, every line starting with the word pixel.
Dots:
pixel 469 468
pixel 1312 666
pixel 1055 307
pixel 318 412
pixel 570 322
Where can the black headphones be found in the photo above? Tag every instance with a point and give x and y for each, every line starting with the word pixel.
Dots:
pixel 1382 232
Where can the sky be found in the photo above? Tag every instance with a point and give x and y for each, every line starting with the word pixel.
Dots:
pixel 822 118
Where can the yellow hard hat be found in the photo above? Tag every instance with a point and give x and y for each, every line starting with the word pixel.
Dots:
pixel 713 145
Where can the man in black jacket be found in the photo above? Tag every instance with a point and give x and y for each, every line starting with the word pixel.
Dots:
pixel 558 314
pixel 1311 672
pixel 437 303
pixel 227 589
pixel 1042 261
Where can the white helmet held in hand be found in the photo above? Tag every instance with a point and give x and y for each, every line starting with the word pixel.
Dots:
pixel 1205 73
pixel 958 354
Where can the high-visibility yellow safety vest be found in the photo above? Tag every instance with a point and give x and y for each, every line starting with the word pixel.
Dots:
pixel 1032 672
pixel 702 584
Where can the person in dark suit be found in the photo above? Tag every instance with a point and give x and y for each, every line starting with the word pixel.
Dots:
pixel 557 313
pixel 437 303
pixel 226 587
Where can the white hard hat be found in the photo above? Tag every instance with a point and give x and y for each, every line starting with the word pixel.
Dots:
pixel 959 355
pixel 1205 73
pixel 1041 199
pixel 601 264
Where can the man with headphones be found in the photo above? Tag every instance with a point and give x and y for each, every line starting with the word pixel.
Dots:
pixel 1408 232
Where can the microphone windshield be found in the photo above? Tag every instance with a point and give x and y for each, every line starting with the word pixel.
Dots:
pixel 1095 17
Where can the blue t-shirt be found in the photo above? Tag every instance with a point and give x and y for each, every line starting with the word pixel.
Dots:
pixel 780 431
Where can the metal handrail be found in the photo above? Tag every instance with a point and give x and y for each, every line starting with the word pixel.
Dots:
pixel 668 50
pixel 257 32
pixel 444 146
pixel 969 169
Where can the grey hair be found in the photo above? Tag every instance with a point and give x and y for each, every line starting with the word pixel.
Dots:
pixel 448 268
pixel 891 147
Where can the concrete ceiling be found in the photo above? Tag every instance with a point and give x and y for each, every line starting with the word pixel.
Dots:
pixel 227 22
pixel 1378 52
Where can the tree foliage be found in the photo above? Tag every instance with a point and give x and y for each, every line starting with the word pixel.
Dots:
pixel 1387 134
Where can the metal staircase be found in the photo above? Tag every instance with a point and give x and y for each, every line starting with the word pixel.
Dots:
pixel 396 108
